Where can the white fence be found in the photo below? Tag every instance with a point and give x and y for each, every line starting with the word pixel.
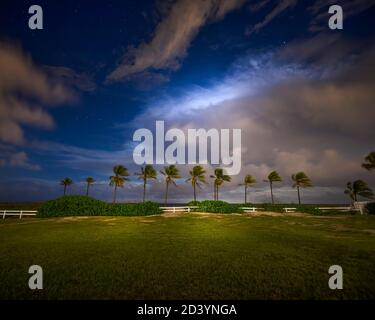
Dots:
pixel 343 209
pixel 251 209
pixel 19 213
pixel 177 209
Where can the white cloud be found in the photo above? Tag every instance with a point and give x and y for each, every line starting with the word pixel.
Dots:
pixel 24 91
pixel 172 36
pixel 275 12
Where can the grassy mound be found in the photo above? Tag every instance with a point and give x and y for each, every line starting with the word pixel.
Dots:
pixel 86 206
pixel 230 257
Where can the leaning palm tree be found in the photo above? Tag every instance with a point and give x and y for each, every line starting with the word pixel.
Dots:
pixel 369 163
pixel 358 188
pixel 89 181
pixel 273 177
pixel 66 182
pixel 220 177
pixel 248 181
pixel 147 172
pixel 170 173
pixel 118 179
pixel 197 177
pixel 301 180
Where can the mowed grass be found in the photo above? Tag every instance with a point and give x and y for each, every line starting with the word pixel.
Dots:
pixel 188 257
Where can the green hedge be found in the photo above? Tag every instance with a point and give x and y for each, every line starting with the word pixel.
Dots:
pixel 303 208
pixel 86 206
pixel 370 208
pixel 219 207
pixel 225 207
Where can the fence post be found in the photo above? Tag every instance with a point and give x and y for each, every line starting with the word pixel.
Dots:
pixel 4 214
pixel 20 214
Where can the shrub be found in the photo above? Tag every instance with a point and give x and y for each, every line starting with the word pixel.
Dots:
pixel 370 208
pixel 86 206
pixel 193 203
pixel 308 209
pixel 216 206
pixel 304 208
pixel 133 209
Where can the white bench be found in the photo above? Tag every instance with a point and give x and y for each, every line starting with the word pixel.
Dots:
pixel 250 209
pixel 177 209
pixel 287 210
pixel 19 213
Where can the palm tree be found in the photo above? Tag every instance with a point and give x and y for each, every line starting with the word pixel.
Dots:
pixel 273 177
pixel 119 178
pixel 89 181
pixel 170 173
pixel 369 163
pixel 358 188
pixel 147 172
pixel 220 177
pixel 66 182
pixel 248 181
pixel 301 180
pixel 197 176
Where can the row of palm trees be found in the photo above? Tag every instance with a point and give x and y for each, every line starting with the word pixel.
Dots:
pixel 198 178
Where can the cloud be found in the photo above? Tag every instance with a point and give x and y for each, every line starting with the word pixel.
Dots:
pixel 275 12
pixel 257 6
pixel 172 36
pixel 294 115
pixel 72 78
pixel 17 160
pixel 21 160
pixel 24 91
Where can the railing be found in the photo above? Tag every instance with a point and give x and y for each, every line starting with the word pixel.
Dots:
pixel 251 209
pixel 337 208
pixel 177 209
pixel 19 213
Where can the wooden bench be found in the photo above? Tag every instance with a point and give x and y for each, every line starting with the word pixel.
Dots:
pixel 287 210
pixel 19 213
pixel 250 209
pixel 177 209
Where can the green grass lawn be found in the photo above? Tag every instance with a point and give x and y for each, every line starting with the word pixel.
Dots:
pixel 188 257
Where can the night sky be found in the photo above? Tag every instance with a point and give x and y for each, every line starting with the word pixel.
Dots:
pixel 72 94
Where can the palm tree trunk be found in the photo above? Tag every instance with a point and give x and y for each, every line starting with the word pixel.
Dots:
pixel 271 192
pixel 64 189
pixel 214 191
pixel 87 190
pixel 144 190
pixel 195 193
pixel 217 192
pixel 245 194
pixel 299 197
pixel 166 194
pixel 114 195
